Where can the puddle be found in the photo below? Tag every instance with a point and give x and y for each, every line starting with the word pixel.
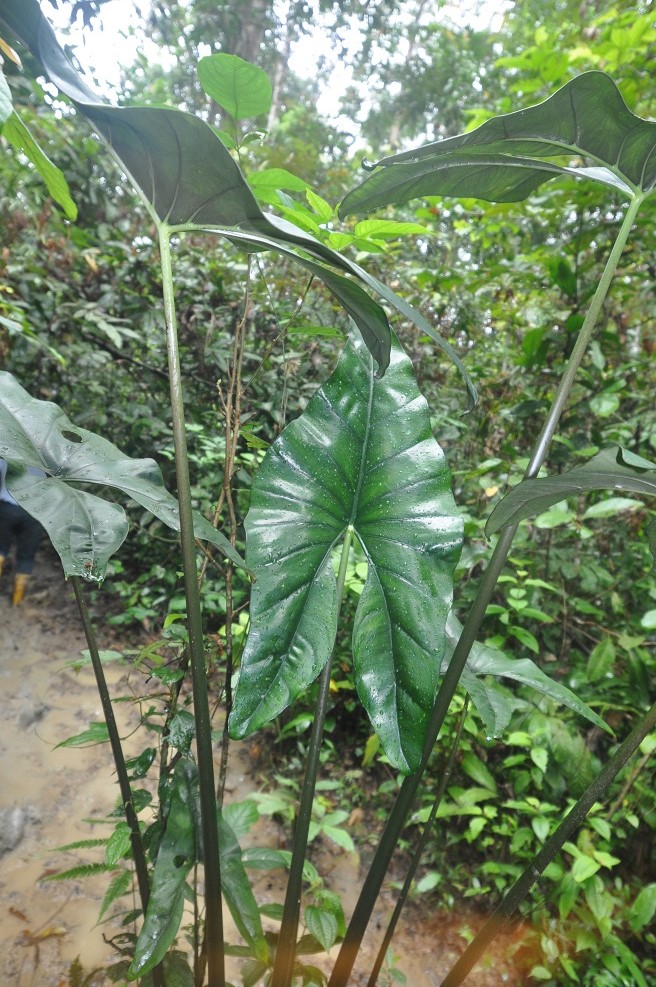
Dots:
pixel 46 794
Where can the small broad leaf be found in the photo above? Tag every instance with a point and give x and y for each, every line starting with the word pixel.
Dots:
pixel 96 733
pixel 508 157
pixel 611 507
pixel 361 457
pixel 322 925
pixel 118 845
pixel 17 133
pixel 84 529
pixel 583 868
pixel 643 908
pixel 238 86
pixel 276 178
pixel 611 469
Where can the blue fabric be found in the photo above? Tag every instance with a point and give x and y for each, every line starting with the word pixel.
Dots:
pixel 17 525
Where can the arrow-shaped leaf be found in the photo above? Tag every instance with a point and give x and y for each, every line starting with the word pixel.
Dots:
pixel 361 455
pixel 178 164
pixel 189 178
pixel 507 157
pixel 610 469
pixel 84 529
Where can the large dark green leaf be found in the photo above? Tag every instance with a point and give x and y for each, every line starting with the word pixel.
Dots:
pixel 189 178
pixel 84 529
pixel 361 455
pixel 507 157
pixel 175 858
pixel 493 707
pixel 180 166
pixel 611 469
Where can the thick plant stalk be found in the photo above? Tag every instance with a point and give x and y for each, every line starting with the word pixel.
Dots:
pixel 421 846
pixel 511 900
pixel 138 853
pixel 208 807
pixel 286 952
pixel 380 863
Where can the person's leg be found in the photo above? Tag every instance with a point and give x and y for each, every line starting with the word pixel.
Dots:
pixel 28 536
pixel 8 515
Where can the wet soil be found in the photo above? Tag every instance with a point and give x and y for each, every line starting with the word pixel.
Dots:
pixel 49 795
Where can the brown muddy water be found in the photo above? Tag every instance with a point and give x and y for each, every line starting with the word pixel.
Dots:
pixel 47 796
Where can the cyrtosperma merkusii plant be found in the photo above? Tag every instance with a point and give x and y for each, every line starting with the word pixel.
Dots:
pixel 360 463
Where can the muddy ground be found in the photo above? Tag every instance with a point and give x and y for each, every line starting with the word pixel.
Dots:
pixel 48 797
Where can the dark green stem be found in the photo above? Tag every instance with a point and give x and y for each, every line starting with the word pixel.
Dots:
pixel 593 793
pixel 286 952
pixel 417 855
pixel 380 863
pixel 208 808
pixel 138 853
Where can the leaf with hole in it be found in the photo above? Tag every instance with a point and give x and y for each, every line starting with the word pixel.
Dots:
pixel 611 469
pixel 238 86
pixel 362 456
pixel 509 156
pixel 84 529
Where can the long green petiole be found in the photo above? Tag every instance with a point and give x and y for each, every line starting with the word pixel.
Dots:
pixel 138 852
pixel 208 807
pixel 421 846
pixel 374 879
pixel 285 955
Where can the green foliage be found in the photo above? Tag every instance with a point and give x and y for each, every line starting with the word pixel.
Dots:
pixel 507 158
pixel 304 500
pixel 577 594
pixel 39 434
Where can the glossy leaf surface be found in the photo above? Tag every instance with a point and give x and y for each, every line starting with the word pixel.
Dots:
pixel 238 894
pixel 84 529
pixel 175 858
pixel 508 157
pixel 611 469
pixel 361 455
pixel 177 853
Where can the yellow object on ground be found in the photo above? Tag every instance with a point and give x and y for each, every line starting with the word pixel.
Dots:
pixel 20 585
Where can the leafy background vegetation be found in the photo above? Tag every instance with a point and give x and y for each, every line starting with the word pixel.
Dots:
pixel 507 285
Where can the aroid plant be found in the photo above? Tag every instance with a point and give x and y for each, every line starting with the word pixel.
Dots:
pixel 360 464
